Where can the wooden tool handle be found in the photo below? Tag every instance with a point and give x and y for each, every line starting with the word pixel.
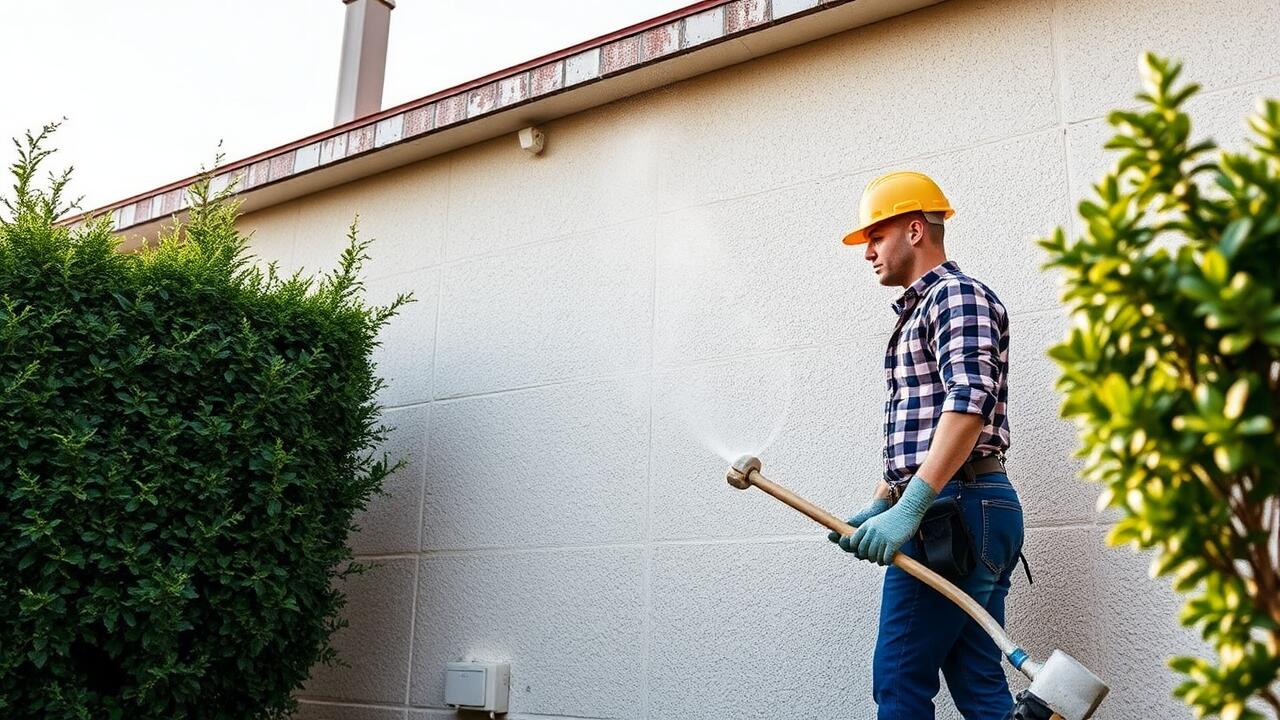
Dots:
pixel 822 517
pixel 909 565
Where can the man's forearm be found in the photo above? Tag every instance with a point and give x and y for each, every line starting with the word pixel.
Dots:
pixel 953 440
pixel 883 492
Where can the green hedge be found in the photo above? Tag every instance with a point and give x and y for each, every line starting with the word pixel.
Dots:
pixel 1172 374
pixel 184 440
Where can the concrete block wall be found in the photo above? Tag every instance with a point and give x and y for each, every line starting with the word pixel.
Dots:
pixel 598 328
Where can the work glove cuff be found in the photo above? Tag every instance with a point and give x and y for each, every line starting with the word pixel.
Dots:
pixel 917 497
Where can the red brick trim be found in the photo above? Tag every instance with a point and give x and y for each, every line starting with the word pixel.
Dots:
pixel 655 40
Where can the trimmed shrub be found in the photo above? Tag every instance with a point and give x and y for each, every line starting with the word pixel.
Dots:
pixel 184 440
pixel 1172 373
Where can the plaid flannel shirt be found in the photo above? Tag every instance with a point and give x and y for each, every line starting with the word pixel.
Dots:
pixel 950 352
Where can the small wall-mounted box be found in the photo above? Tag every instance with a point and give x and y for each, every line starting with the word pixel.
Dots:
pixel 477 685
pixel 532 140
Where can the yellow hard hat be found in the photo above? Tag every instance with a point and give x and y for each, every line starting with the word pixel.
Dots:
pixel 894 194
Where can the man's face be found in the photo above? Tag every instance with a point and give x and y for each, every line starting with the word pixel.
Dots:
pixel 890 252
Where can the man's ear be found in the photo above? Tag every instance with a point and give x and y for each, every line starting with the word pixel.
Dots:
pixel 916 231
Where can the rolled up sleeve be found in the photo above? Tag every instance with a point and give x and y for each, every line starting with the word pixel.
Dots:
pixel 966 342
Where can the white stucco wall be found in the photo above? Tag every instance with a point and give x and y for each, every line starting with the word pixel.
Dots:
pixel 669 274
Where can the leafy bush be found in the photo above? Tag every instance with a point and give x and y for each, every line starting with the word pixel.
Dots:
pixel 184 440
pixel 1172 373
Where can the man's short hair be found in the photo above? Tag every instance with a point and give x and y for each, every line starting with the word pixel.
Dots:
pixel 935 219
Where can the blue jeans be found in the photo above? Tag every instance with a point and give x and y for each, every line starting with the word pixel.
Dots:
pixel 922 632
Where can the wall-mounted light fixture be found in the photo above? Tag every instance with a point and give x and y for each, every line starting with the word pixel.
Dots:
pixel 532 140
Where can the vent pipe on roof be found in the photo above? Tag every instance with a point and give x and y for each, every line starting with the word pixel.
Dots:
pixel 364 59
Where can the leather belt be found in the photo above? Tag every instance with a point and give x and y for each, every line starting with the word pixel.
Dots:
pixel 979 466
pixel 966 474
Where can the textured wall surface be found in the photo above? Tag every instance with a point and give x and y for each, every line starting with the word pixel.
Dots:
pixel 599 327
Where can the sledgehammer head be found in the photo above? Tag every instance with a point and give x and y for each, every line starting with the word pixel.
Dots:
pixel 741 470
pixel 1068 687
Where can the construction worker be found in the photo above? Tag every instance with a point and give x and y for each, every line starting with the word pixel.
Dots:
pixel 945 434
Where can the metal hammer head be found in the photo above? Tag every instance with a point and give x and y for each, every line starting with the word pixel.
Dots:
pixel 1068 687
pixel 741 470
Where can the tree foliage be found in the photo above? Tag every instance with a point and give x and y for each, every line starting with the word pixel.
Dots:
pixel 184 440
pixel 1172 374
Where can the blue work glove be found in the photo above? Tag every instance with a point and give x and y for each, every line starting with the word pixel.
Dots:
pixel 880 538
pixel 873 508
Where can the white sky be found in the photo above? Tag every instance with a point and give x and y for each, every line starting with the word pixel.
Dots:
pixel 149 87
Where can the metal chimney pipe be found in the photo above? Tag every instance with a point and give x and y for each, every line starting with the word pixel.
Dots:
pixel 364 59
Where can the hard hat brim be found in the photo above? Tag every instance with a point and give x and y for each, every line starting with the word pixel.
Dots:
pixel 858 235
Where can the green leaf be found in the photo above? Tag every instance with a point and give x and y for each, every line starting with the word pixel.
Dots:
pixel 1256 425
pixel 1214 266
pixel 1228 458
pixel 1235 343
pixel 1234 237
pixel 1237 396
pixel 1196 288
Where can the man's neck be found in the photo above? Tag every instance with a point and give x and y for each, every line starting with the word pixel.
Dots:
pixel 924 264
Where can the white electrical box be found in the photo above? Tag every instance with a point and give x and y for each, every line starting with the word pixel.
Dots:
pixel 477 685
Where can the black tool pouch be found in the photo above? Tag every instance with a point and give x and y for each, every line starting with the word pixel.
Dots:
pixel 945 540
